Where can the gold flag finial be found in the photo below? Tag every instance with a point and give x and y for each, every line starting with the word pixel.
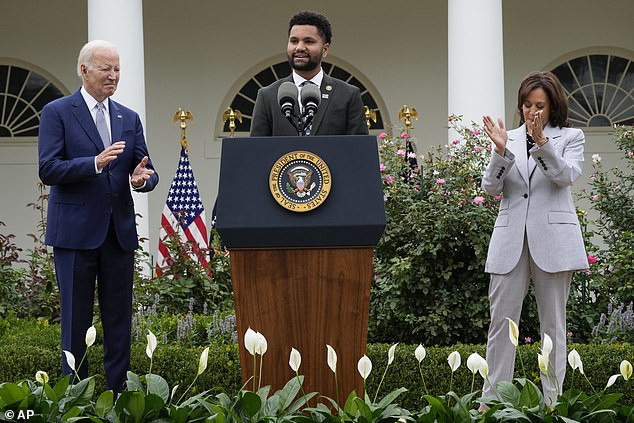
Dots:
pixel 183 116
pixel 231 115
pixel 405 115
pixel 370 116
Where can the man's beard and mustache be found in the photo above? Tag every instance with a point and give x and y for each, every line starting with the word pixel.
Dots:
pixel 309 65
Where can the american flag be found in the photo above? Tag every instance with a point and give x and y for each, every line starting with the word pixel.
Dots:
pixel 183 216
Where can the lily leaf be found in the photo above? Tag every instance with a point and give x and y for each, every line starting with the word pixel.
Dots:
pixel 288 393
pixel 157 385
pixel 509 393
pixel 136 406
pixel 250 403
pixel 11 393
pixel 389 398
pixel 61 386
pixel 133 383
pixel 104 404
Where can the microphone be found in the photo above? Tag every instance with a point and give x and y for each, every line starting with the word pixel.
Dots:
pixel 287 97
pixel 310 96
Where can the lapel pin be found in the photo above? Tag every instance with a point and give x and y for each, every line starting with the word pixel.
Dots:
pixel 328 87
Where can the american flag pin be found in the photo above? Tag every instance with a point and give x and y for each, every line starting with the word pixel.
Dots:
pixel 119 117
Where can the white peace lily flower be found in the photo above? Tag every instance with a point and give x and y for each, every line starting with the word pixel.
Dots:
pixel 626 369
pixel 454 360
pixel 202 363
pixel 91 335
pixel 612 380
pixel 261 346
pixel 547 347
pixel 41 377
pixel 364 366
pixel 514 332
pixel 484 369
pixel 542 363
pixel 173 391
pixel 70 359
pixel 151 344
pixel 390 354
pixel 474 362
pixel 574 359
pixel 332 358
pixel 250 340
pixel 295 360
pixel 420 353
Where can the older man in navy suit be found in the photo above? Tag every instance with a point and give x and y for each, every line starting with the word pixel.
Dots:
pixel 92 152
pixel 341 108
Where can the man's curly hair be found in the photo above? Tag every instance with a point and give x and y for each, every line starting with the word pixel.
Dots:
pixel 315 19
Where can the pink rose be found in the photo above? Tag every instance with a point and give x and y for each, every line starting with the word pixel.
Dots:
pixel 400 153
pixel 498 198
pixel 478 199
pixel 630 154
pixel 440 181
pixel 476 132
pixel 477 148
pixel 382 167
pixel 592 259
pixel 389 179
pixel 595 197
pixel 455 142
pixel 404 135
pixel 382 135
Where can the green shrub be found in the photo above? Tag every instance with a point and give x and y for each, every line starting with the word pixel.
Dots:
pixel 430 283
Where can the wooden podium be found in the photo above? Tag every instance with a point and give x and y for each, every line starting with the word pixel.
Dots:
pixel 302 279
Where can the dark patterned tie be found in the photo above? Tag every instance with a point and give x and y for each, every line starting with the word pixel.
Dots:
pixel 100 121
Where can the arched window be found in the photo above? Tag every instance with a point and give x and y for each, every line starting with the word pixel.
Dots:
pixel 244 100
pixel 23 94
pixel 600 89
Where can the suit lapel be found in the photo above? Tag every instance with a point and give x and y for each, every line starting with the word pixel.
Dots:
pixel 517 145
pixel 328 89
pixel 83 116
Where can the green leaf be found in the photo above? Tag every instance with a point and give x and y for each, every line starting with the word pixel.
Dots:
pixel 136 405
pixel 61 386
pixel 11 393
pixel 157 385
pixel 104 404
pixel 133 383
pixel 73 412
pixel 508 393
pixel 288 393
pixel 389 398
pixel 250 403
pixel 179 414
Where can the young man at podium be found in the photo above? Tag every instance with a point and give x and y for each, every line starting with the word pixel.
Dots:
pixel 308 102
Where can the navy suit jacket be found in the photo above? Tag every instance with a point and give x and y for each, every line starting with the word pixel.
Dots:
pixel 340 111
pixel 82 203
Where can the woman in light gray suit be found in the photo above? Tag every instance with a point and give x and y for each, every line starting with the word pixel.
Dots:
pixel 537 235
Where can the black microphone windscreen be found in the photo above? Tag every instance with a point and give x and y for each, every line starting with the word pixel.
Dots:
pixel 287 92
pixel 310 94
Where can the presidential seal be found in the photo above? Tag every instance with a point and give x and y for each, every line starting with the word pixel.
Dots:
pixel 300 181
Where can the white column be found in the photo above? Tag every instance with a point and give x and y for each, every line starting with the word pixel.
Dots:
pixel 121 22
pixel 476 59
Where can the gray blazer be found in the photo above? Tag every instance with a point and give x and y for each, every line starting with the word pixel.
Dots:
pixel 340 111
pixel 537 202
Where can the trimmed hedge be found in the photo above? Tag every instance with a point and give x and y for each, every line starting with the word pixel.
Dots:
pixel 27 346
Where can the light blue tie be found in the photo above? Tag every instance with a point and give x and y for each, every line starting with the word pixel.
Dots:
pixel 100 121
